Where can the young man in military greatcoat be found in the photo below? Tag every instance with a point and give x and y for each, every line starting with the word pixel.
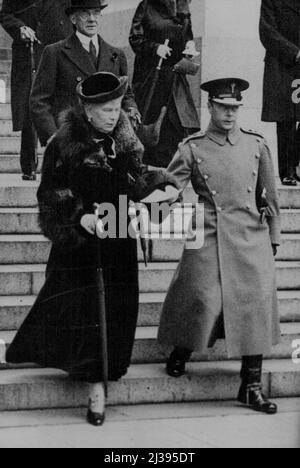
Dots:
pixel 228 287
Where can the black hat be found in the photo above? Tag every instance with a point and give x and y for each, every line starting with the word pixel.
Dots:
pixel 102 87
pixel 85 4
pixel 227 91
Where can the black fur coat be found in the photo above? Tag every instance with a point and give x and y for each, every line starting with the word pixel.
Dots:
pixel 62 329
pixel 71 185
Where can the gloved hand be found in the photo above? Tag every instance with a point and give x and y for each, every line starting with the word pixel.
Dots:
pixel 134 117
pixel 164 51
pixel 28 35
pixel 89 223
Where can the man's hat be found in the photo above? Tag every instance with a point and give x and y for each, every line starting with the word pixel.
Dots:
pixel 85 4
pixel 102 87
pixel 227 91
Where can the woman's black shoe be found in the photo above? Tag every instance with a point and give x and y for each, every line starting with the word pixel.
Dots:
pixel 254 398
pixel 95 419
pixel 290 182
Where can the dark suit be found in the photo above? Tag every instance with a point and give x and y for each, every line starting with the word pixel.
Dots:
pixel 48 19
pixel 280 35
pixel 62 67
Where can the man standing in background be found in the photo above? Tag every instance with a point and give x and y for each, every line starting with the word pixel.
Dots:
pixel 280 35
pixel 65 64
pixel 38 22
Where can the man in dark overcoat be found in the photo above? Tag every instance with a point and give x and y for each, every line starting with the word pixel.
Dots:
pixel 280 35
pixel 68 62
pixel 25 21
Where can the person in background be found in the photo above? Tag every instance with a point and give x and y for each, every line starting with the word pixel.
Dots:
pixel 227 288
pixel 41 23
pixel 67 63
pixel 154 22
pixel 279 33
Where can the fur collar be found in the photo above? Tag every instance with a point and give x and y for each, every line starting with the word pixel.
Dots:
pixel 76 136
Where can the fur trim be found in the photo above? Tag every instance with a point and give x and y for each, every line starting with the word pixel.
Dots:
pixel 59 218
pixel 75 136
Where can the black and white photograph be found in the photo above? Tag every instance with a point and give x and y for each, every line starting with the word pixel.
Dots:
pixel 150 226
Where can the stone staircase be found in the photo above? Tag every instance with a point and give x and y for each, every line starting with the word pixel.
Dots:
pixel 23 255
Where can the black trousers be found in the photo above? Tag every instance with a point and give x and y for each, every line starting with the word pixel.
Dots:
pixel 288 134
pixel 28 148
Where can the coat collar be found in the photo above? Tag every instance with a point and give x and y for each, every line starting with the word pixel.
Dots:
pixel 221 137
pixel 79 56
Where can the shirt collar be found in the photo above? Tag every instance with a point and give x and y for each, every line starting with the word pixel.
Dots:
pixel 220 136
pixel 85 40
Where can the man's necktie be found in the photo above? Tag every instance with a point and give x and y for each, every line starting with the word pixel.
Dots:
pixel 93 54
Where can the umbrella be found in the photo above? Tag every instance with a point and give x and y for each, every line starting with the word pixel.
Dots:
pixel 102 312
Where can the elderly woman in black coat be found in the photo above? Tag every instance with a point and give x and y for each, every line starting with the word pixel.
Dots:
pixel 154 22
pixel 92 159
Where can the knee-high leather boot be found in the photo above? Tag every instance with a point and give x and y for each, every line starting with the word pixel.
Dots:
pixel 251 393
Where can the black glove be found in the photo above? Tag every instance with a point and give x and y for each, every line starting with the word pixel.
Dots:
pixel 275 249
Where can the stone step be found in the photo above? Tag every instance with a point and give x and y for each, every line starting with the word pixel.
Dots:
pixel 6 128
pixel 14 309
pixel 25 221
pixel 16 193
pixel 30 249
pixel 46 389
pixel 19 221
pixel 11 145
pixel 33 249
pixel 171 250
pixel 10 164
pixel 27 280
pixel 5 111
pixel 148 351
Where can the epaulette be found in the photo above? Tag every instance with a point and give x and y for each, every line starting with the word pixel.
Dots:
pixel 252 132
pixel 195 136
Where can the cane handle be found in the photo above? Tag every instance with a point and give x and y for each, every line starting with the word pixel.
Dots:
pixel 167 42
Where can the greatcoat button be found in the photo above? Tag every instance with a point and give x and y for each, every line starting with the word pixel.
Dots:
pixel 255 173
pixel 199 161
pixel 250 189
pixel 193 145
pixel 257 156
pixel 214 193
pixel 248 207
pixel 206 177
pixel 220 209
pixel 79 79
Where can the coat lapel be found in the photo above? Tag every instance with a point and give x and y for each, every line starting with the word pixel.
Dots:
pixel 109 60
pixel 78 56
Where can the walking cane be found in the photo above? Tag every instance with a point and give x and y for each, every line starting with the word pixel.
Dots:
pixel 102 309
pixel 34 133
pixel 153 86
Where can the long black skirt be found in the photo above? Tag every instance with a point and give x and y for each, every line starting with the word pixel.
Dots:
pixel 62 329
